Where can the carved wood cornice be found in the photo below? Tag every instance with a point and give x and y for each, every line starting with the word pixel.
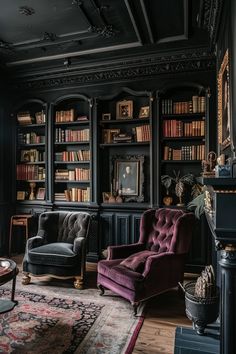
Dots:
pixel 126 69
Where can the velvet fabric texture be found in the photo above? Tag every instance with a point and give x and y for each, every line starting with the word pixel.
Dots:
pixel 156 262
pixel 59 248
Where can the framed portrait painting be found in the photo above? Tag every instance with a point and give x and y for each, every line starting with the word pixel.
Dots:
pixel 129 177
pixel 124 109
pixel 224 119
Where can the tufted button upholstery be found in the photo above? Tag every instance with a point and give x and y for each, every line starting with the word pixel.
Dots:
pixel 59 248
pixel 154 264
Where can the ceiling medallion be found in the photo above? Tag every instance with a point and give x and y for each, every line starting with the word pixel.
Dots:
pixel 49 36
pixel 106 31
pixel 26 10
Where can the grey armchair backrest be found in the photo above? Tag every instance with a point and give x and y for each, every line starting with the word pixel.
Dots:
pixel 63 226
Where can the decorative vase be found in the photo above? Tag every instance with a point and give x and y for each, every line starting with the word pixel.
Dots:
pixel 167 200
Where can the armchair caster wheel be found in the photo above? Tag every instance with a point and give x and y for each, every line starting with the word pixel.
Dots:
pixel 26 279
pixel 79 283
pixel 101 288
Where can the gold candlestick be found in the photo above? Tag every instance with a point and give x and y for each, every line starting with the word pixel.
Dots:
pixel 32 186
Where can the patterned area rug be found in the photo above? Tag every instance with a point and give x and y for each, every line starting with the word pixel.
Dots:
pixel 64 320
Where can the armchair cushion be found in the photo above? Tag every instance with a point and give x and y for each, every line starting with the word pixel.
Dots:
pixel 53 254
pixel 136 261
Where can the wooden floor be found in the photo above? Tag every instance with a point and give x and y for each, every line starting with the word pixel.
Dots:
pixel 163 314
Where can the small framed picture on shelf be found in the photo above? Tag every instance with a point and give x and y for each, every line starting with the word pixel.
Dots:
pixel 144 112
pixel 40 194
pixel 106 116
pixel 129 177
pixel 21 195
pixel 40 117
pixel 124 109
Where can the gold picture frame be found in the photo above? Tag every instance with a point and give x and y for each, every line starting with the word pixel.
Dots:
pixel 40 194
pixel 106 116
pixel 224 118
pixel 144 112
pixel 124 109
pixel 20 195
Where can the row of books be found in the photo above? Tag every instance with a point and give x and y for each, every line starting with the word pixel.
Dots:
pixel 73 195
pixel 178 128
pixel 192 152
pixel 142 133
pixel 25 118
pixel 65 116
pixel 32 155
pixel 67 156
pixel 30 138
pixel 196 105
pixel 78 174
pixel 69 135
pixel 30 172
pixel 68 116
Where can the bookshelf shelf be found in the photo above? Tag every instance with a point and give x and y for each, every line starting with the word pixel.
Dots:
pixel 125 139
pixel 117 145
pixel 72 143
pixel 74 182
pixel 125 121
pixel 183 125
pixel 179 138
pixel 71 162
pixel 69 133
pixel 184 115
pixel 74 123
pixel 31 156
pixel 181 161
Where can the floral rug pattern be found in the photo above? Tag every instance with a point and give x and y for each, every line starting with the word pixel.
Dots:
pixel 53 317
pixel 55 325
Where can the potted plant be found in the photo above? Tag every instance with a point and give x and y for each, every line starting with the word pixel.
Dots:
pixel 202 300
pixel 198 203
pixel 179 182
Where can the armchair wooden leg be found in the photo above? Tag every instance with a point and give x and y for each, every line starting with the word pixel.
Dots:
pixel 135 307
pixel 26 279
pixel 101 288
pixel 79 283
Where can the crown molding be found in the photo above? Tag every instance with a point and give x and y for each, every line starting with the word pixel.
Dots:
pixel 118 70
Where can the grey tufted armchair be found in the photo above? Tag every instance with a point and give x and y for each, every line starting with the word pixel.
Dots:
pixel 59 248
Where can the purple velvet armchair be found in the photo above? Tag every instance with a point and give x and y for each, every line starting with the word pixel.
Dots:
pixel 153 265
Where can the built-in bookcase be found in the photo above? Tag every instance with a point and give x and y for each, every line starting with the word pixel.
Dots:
pixel 71 137
pixel 31 151
pixel 183 132
pixel 125 140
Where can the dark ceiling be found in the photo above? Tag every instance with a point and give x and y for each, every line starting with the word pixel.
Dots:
pixel 43 32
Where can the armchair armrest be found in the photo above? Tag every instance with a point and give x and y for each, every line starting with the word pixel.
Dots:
pixel 124 251
pixel 33 242
pixel 164 263
pixel 79 243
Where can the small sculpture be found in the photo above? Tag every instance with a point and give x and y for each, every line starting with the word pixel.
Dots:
pixel 208 165
pixel 32 187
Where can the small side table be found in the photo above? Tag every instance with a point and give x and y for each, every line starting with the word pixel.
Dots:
pixel 19 220
pixel 8 271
